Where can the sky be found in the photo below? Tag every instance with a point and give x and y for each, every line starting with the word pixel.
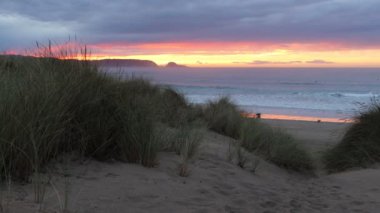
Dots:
pixel 217 33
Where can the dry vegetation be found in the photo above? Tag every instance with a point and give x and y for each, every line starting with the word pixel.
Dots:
pixel 360 146
pixel 272 144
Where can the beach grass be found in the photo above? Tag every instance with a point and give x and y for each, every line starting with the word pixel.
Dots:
pixel 49 107
pixel 275 146
pixel 223 117
pixel 188 143
pixel 360 146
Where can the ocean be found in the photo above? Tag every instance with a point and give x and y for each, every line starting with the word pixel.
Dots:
pixel 311 92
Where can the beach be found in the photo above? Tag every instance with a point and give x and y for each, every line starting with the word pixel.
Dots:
pixel 215 183
pixel 190 106
pixel 315 136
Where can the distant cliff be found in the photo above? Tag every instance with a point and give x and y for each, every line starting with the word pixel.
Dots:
pixel 125 63
pixel 104 62
pixel 174 65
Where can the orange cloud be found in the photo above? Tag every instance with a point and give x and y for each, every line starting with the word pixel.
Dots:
pixel 212 47
pixel 230 54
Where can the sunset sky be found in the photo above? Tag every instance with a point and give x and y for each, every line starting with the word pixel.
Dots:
pixel 217 33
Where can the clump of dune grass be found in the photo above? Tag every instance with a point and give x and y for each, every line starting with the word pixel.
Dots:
pixel 274 145
pixel 40 183
pixel 222 116
pixel 63 195
pixel 242 158
pixel 237 153
pixel 189 142
pixel 186 144
pixel 360 146
pixel 174 108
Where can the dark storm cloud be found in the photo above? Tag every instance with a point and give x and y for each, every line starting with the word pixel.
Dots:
pixel 279 21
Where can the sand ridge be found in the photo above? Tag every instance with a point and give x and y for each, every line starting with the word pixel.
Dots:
pixel 215 184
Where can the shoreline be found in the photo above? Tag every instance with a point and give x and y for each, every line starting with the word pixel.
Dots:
pixel 298 118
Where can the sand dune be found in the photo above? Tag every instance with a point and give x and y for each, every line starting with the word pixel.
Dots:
pixel 215 184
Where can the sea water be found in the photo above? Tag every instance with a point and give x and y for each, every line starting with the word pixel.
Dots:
pixel 316 92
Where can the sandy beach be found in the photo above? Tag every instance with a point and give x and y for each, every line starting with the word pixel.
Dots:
pixel 313 135
pixel 215 183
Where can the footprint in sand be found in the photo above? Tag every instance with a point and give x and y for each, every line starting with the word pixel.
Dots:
pixel 229 173
pixel 111 175
pixel 295 205
pixel 239 202
pixel 90 178
pixel 336 187
pixel 21 194
pixel 357 203
pixel 268 204
pixel 221 191
pixel 203 191
pixel 230 209
pixel 226 186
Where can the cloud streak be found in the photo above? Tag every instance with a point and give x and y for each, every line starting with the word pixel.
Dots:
pixel 263 62
pixel 260 62
pixel 319 61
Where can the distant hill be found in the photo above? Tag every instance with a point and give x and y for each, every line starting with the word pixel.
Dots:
pixel 174 65
pixel 14 57
pixel 104 62
pixel 125 63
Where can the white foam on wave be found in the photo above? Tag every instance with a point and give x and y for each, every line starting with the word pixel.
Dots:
pixel 357 95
